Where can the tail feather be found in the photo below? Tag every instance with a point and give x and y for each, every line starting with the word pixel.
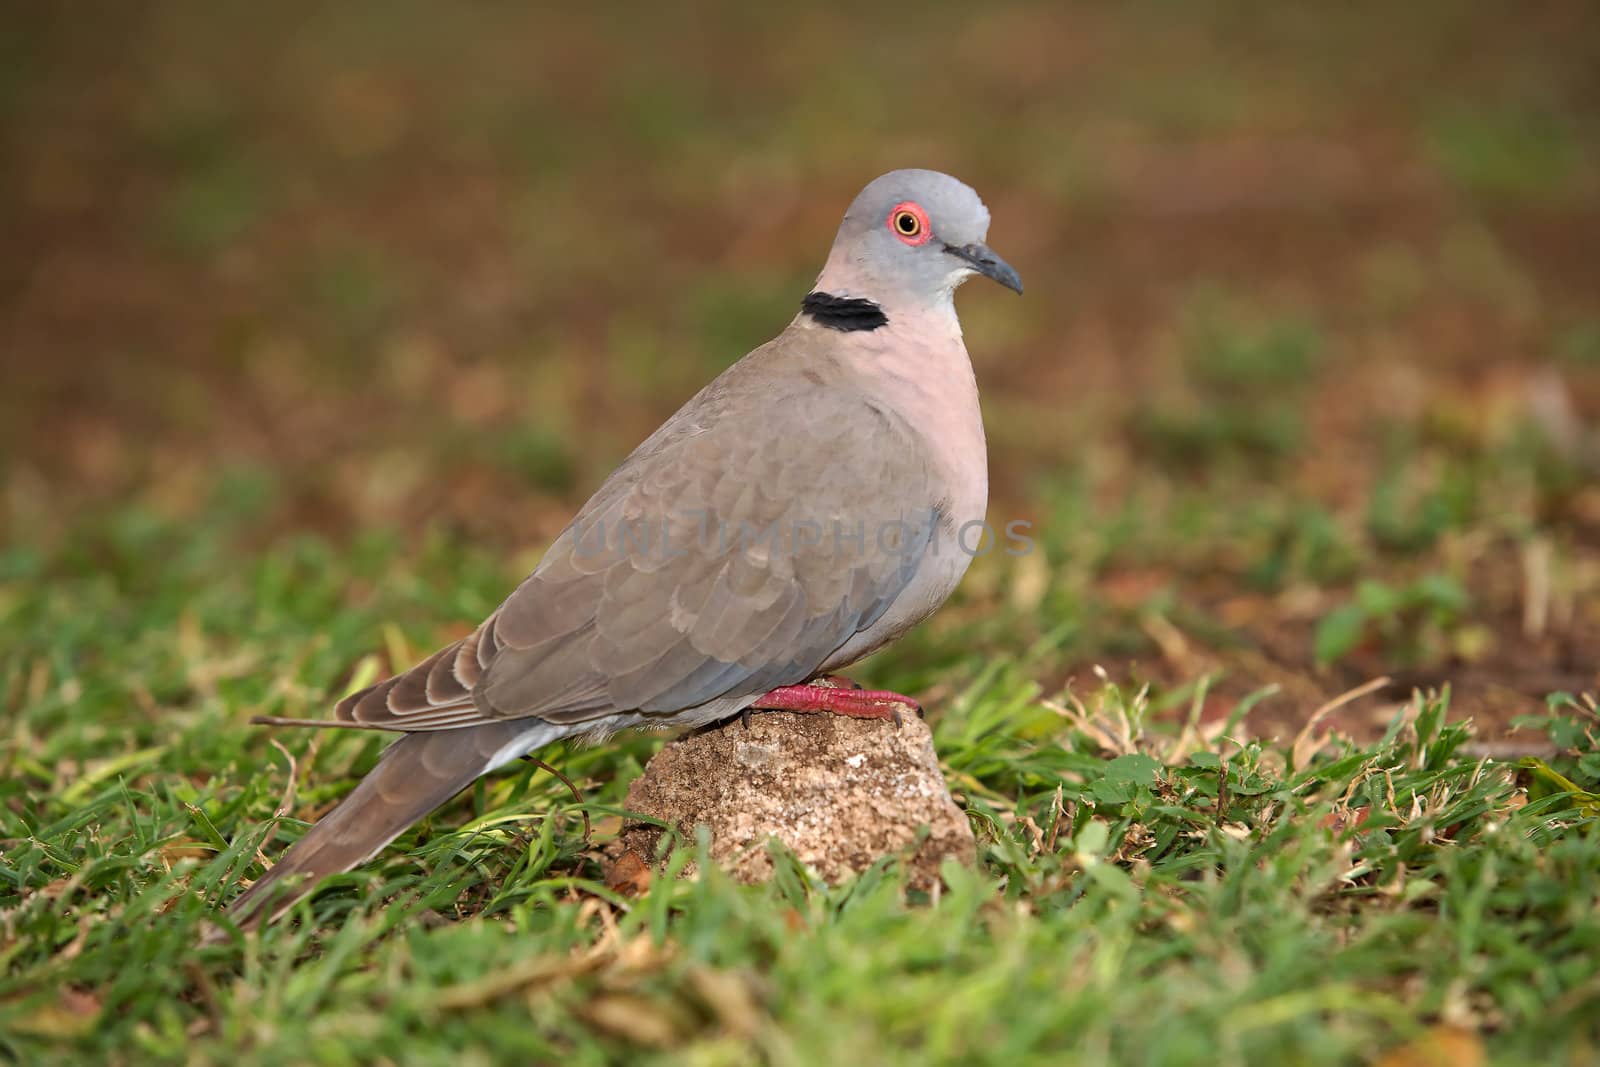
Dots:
pixel 416 774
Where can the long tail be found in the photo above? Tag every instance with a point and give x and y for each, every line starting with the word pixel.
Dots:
pixel 416 774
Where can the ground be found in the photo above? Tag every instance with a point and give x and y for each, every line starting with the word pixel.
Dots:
pixel 315 329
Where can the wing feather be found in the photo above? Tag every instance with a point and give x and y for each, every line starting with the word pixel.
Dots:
pixel 719 561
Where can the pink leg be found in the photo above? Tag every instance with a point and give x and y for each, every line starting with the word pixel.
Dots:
pixel 826 695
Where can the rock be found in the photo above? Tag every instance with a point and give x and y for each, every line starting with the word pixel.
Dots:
pixel 838 792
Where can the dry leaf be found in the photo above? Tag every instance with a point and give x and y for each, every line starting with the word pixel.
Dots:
pixel 629 876
pixel 538 970
pixel 635 1019
pixel 1341 819
pixel 730 998
pixel 75 1012
pixel 1442 1046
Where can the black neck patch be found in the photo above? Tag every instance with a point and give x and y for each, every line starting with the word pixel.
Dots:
pixel 843 312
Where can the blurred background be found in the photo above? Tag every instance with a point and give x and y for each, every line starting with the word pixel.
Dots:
pixel 1305 387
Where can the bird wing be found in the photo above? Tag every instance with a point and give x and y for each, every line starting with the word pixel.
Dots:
pixel 733 552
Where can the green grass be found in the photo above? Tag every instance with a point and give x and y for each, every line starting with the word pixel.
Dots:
pixel 1146 893
pixel 1239 385
pixel 1528 154
pixel 320 327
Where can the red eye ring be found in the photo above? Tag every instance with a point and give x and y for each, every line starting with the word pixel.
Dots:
pixel 909 222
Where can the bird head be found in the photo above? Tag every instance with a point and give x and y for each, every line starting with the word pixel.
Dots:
pixel 913 234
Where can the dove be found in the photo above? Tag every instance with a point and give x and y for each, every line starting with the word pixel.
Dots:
pixel 804 509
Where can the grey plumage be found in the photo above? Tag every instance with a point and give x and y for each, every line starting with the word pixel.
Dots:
pixel 415 775
pixel 796 514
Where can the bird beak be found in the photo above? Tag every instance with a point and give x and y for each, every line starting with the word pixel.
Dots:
pixel 985 262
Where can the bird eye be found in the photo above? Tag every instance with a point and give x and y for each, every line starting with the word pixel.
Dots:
pixel 909 222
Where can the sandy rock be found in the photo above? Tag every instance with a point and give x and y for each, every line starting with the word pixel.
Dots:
pixel 838 792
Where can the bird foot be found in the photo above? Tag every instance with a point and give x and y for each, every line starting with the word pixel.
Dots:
pixel 836 681
pixel 830 694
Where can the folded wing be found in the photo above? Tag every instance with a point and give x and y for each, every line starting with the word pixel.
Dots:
pixel 732 553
